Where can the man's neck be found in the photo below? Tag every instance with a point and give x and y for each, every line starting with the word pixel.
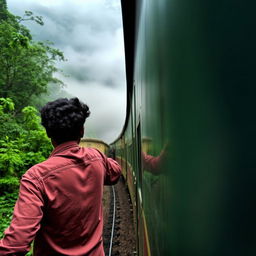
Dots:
pixel 55 144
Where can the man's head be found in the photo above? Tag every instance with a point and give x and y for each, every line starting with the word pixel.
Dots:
pixel 64 119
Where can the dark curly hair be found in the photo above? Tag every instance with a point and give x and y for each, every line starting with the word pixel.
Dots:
pixel 63 119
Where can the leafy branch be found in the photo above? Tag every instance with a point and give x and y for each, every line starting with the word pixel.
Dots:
pixel 28 16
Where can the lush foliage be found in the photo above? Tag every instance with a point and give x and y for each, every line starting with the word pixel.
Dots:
pixel 27 67
pixel 22 146
pixel 7 201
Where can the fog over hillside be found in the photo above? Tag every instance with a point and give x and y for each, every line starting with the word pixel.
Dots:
pixel 89 32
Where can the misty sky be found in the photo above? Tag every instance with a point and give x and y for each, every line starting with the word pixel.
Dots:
pixel 89 32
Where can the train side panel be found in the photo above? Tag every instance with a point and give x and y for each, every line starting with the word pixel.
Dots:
pixel 193 125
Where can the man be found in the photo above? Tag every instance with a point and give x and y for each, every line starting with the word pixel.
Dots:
pixel 60 199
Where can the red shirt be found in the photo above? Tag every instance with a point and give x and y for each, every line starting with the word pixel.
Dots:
pixel 60 204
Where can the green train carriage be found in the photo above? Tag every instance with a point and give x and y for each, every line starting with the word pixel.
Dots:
pixel 191 96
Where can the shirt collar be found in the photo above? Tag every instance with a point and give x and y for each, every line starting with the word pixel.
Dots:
pixel 63 146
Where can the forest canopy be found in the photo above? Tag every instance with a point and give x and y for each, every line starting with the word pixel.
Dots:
pixel 27 66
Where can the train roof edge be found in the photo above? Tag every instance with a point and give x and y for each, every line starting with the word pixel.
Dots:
pixel 128 10
pixel 94 140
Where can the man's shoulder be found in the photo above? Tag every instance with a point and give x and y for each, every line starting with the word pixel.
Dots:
pixel 93 152
pixel 41 169
pixel 59 161
pixel 36 171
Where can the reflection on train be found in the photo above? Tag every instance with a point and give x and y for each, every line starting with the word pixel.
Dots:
pixel 146 177
pixel 187 148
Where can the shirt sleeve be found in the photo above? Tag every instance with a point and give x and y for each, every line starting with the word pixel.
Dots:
pixel 26 219
pixel 113 171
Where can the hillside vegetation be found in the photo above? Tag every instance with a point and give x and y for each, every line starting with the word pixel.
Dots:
pixel 27 74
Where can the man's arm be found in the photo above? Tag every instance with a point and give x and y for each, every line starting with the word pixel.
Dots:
pixel 26 219
pixel 113 171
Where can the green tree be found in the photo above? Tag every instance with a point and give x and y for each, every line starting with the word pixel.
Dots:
pixel 22 147
pixel 27 67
